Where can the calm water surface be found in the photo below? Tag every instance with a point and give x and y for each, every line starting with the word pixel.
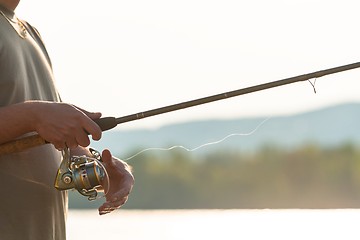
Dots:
pixel 215 224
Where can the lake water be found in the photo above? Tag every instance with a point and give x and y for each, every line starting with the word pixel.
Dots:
pixel 215 224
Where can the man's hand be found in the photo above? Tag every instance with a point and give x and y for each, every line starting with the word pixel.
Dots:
pixel 65 125
pixel 121 183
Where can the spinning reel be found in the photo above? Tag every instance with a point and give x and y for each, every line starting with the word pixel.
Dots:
pixel 85 174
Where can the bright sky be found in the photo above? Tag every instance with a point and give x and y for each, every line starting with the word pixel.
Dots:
pixel 123 57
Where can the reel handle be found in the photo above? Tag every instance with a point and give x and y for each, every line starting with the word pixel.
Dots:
pixel 22 144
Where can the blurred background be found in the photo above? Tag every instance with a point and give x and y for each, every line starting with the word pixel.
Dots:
pixel 124 57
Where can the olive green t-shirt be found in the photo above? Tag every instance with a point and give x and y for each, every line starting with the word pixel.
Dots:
pixel 30 206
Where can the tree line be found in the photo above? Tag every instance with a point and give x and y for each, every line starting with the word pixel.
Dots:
pixel 309 176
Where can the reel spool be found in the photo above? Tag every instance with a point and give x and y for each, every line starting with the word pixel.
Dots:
pixel 85 174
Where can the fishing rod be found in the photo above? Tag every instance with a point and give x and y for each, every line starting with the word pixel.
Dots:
pixel 107 123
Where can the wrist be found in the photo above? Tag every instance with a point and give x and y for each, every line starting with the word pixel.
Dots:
pixel 34 112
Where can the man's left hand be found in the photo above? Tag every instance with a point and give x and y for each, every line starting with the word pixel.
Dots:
pixel 121 183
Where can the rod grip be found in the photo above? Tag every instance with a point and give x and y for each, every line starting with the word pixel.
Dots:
pixel 35 140
pixel 106 123
pixel 21 144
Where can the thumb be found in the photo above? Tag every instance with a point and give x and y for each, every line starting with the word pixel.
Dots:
pixel 91 115
pixel 106 156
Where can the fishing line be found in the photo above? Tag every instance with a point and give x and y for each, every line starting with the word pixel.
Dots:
pixel 201 146
pixel 313 85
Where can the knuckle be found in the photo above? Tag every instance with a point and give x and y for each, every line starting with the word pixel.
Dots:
pixel 71 145
pixel 84 142
pixel 97 138
pixel 97 135
pixel 59 147
pixel 82 139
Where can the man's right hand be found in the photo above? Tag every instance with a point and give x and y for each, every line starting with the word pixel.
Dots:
pixel 64 125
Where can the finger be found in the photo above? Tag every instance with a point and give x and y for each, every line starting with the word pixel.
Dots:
pixel 92 128
pixel 102 212
pixel 123 192
pixel 117 203
pixel 60 147
pixel 120 202
pixel 106 156
pixel 92 115
pixel 71 143
pixel 109 207
pixel 82 138
pixel 105 210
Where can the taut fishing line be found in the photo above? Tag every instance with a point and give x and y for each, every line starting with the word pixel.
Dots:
pixel 201 146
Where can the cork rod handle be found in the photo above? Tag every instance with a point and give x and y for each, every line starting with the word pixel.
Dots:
pixel 21 144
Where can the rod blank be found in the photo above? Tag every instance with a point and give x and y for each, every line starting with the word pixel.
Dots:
pixel 235 93
pixel 111 122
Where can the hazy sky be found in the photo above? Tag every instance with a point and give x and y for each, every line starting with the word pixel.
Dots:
pixel 123 57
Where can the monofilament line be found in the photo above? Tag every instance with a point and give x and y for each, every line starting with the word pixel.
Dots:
pixel 201 146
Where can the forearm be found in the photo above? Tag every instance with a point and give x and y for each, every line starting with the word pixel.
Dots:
pixel 61 124
pixel 16 120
